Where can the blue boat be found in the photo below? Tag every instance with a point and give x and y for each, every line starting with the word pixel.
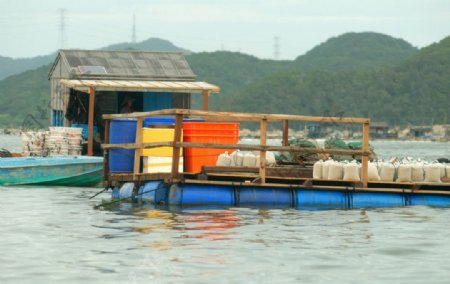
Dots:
pixel 62 171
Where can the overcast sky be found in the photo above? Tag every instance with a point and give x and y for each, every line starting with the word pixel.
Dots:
pixel 30 28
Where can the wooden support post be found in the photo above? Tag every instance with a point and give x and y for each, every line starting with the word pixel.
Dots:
pixel 176 149
pixel 262 153
pixel 205 99
pixel 285 133
pixel 106 152
pixel 365 158
pixel 90 149
pixel 138 151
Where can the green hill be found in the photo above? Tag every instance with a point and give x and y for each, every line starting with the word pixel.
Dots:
pixel 356 51
pixel 151 44
pixel 415 91
pixel 397 88
pixel 10 66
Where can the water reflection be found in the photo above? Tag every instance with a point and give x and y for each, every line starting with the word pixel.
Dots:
pixel 209 225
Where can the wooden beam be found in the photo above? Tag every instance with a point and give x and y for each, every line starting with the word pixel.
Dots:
pixel 245 147
pixel 90 149
pixel 106 152
pixel 232 116
pixel 205 94
pixel 176 148
pixel 138 150
pixel 262 152
pixel 285 133
pixel 365 159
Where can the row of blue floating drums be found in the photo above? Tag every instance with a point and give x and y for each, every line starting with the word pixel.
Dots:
pixel 198 195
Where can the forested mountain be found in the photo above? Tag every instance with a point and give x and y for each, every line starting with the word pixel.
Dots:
pixel 356 51
pixel 10 66
pixel 415 91
pixel 396 88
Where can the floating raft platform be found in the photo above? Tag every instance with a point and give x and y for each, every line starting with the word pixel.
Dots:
pixel 287 186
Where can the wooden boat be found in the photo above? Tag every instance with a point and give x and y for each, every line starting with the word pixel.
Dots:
pixel 261 186
pixel 63 171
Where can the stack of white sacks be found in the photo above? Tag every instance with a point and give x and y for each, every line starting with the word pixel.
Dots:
pixel 241 159
pixel 407 170
pixel 58 141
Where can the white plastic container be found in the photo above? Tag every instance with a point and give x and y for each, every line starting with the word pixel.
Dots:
pixel 387 172
pixel 325 168
pixel 335 171
pixel 249 160
pixel 224 160
pixel 317 169
pixel 351 172
pixel 417 172
pixel 372 172
pixel 404 173
pixel 237 158
pixel 432 173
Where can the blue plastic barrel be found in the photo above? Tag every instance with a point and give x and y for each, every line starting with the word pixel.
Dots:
pixel 377 200
pixel 121 131
pixel 153 192
pixel 265 197
pixel 430 200
pixel 320 200
pixel 191 194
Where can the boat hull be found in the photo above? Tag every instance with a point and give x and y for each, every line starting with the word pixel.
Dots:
pixel 61 171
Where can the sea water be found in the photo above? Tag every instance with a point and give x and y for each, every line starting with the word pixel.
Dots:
pixel 55 235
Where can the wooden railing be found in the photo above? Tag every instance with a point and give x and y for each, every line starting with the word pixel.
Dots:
pixel 263 120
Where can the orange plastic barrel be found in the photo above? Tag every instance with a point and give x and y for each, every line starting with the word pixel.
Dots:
pixel 207 132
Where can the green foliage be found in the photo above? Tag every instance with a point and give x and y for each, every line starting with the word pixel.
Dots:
pixel 24 99
pixel 364 75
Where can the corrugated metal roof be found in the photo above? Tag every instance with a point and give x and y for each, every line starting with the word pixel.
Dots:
pixel 141 86
pixel 126 64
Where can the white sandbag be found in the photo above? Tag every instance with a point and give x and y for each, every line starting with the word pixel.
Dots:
pixel 237 159
pixel 351 172
pixel 404 173
pixel 224 160
pixel 432 173
pixel 317 169
pixel 417 173
pixel 372 172
pixel 249 160
pixel 325 167
pixel 387 172
pixel 447 169
pixel 335 171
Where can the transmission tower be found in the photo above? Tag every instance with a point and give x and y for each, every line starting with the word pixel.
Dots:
pixel 62 28
pixel 276 48
pixel 133 35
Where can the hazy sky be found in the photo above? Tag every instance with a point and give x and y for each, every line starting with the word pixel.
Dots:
pixel 30 28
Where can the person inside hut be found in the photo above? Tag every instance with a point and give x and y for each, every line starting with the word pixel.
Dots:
pixel 127 106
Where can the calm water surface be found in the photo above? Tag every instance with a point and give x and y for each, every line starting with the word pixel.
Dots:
pixel 54 235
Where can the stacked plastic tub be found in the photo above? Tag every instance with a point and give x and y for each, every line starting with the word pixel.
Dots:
pixel 159 160
pixel 207 132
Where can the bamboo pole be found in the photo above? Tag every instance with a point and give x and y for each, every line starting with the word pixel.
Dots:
pixel 262 152
pixel 176 148
pixel 365 158
pixel 138 150
pixel 205 94
pixel 90 149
